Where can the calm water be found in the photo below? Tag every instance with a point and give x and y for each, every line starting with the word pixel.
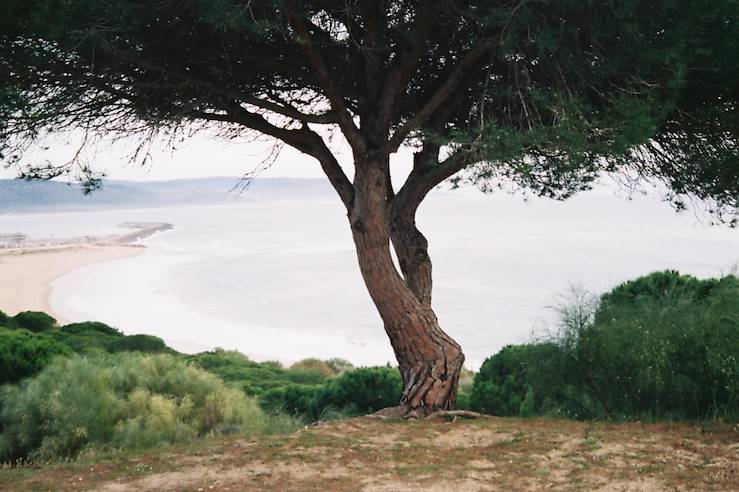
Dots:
pixel 279 280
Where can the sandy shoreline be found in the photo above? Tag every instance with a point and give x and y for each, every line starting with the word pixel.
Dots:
pixel 26 272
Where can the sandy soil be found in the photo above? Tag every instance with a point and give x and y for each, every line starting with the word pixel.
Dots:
pixel 26 274
pixel 368 455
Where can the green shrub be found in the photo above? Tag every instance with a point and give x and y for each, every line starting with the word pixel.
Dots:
pixel 526 380
pixel 91 327
pixel 293 399
pixel 35 321
pixel 86 337
pixel 665 345
pixel 91 336
pixel 660 286
pixel 339 366
pixel 364 390
pixel 137 343
pixel 313 365
pixel 464 401
pixel 83 342
pixel 662 346
pixel 123 400
pixel 5 320
pixel 254 378
pixel 356 392
pixel 302 376
pixel 23 353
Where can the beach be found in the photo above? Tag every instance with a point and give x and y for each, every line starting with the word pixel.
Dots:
pixel 27 271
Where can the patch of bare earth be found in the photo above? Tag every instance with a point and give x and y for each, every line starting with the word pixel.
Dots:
pixel 372 455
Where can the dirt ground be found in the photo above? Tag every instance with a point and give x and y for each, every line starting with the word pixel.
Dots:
pixel 471 455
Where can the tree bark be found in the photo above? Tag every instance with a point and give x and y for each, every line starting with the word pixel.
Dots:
pixel 411 248
pixel 430 360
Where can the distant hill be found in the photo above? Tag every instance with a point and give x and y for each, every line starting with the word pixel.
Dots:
pixel 21 196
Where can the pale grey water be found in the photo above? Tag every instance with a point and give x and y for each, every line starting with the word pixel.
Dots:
pixel 279 280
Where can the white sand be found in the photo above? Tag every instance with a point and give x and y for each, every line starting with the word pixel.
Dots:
pixel 26 274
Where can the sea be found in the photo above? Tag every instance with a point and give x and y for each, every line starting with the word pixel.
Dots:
pixel 277 278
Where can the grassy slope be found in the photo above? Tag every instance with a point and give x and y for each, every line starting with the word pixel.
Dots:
pixel 364 454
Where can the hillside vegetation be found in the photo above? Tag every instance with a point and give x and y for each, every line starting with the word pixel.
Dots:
pixel 664 347
pixel 87 387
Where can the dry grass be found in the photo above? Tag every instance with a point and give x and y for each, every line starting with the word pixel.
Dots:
pixel 364 454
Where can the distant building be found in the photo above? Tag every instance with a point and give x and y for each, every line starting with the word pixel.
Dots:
pixel 15 240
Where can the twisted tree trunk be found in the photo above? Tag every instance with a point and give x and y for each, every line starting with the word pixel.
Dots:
pixel 430 360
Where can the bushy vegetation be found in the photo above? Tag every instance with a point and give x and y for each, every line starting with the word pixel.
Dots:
pixel 254 378
pixel 123 401
pixel 138 343
pixel 527 380
pixel 313 365
pixel 310 389
pixel 339 365
pixel 24 353
pixel 662 346
pixel 34 321
pixel 91 336
pixel 356 392
pixel 86 386
pixel 5 320
pixel 29 341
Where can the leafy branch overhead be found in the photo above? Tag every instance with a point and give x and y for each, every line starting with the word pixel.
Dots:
pixel 546 94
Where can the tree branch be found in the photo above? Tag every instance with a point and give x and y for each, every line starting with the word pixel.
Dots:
pixel 402 70
pixel 326 118
pixel 303 139
pixel 441 95
pixel 428 172
pixel 326 82
pixel 281 109
pixel 372 47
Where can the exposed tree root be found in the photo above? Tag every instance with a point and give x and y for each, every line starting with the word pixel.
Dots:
pixel 404 412
pixel 455 414
pixel 395 413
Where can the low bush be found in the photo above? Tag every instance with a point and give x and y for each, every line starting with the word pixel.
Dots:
pixel 665 345
pixel 313 365
pixel 86 337
pixel 137 343
pixel 254 378
pixel 339 365
pixel 91 327
pixel 463 397
pixel 355 392
pixel 91 336
pixel 124 401
pixel 363 390
pixel 305 376
pixel 35 321
pixel 238 370
pixel 527 380
pixel 24 353
pixel 662 346
pixel 298 400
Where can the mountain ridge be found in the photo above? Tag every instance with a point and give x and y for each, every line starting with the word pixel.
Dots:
pixel 17 196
